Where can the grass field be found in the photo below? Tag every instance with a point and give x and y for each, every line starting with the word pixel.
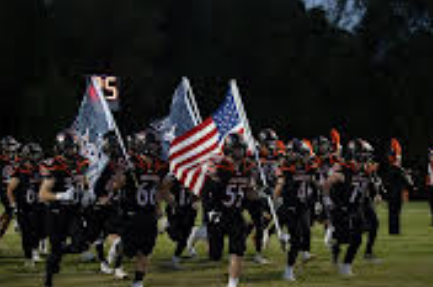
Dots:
pixel 408 261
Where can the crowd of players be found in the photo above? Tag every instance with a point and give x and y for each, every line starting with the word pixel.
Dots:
pixel 307 183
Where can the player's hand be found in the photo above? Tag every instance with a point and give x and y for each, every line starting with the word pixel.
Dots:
pixel 103 200
pixel 214 216
pixel 66 196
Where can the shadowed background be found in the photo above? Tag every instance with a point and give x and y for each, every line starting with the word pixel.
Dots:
pixel 296 71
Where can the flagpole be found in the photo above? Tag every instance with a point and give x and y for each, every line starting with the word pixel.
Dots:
pixel 111 118
pixel 240 106
pixel 189 104
pixel 191 97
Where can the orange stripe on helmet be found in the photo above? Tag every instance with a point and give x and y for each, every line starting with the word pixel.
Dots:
pixel 395 152
pixel 335 137
pixel 310 146
pixel 396 147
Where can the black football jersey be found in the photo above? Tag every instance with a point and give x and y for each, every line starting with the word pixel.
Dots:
pixel 26 194
pixel 270 167
pixel 64 171
pixel 352 190
pixel 100 187
pixel 233 181
pixel 7 166
pixel 139 194
pixel 298 187
pixel 324 168
pixel 183 197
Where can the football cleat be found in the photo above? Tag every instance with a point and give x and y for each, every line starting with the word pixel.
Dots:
pixel 120 274
pixel 346 270
pixel 105 268
pixel 289 275
pixel 259 259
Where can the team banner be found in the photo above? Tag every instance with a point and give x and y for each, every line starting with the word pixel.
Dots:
pixel 182 118
pixel 93 121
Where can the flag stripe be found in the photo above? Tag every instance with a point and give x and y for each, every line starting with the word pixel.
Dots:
pixel 191 135
pixel 196 159
pixel 194 179
pixel 195 154
pixel 201 181
pixel 212 136
pixel 188 171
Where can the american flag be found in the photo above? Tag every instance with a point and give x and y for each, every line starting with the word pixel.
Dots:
pixel 191 152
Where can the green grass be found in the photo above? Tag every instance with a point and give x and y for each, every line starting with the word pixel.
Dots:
pixel 408 261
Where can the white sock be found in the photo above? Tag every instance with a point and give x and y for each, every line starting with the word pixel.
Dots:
pixel 192 238
pixel 346 268
pixel 202 233
pixel 113 250
pixel 233 282
pixel 349 267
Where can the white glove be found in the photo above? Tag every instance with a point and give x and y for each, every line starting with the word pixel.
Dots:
pixel 66 196
pixel 214 216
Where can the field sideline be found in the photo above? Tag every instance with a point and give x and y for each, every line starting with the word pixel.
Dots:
pixel 408 261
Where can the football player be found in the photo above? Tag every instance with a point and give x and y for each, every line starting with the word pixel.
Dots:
pixel 232 179
pixel 104 217
pixel 141 200
pixel 63 181
pixel 344 191
pixel 398 182
pixel 429 182
pixel 181 219
pixel 271 152
pixel 295 182
pixel 8 159
pixel 22 192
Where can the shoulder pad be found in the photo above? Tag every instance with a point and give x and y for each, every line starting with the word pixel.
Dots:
pixel 224 165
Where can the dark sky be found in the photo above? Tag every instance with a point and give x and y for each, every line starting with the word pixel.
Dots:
pixel 296 72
